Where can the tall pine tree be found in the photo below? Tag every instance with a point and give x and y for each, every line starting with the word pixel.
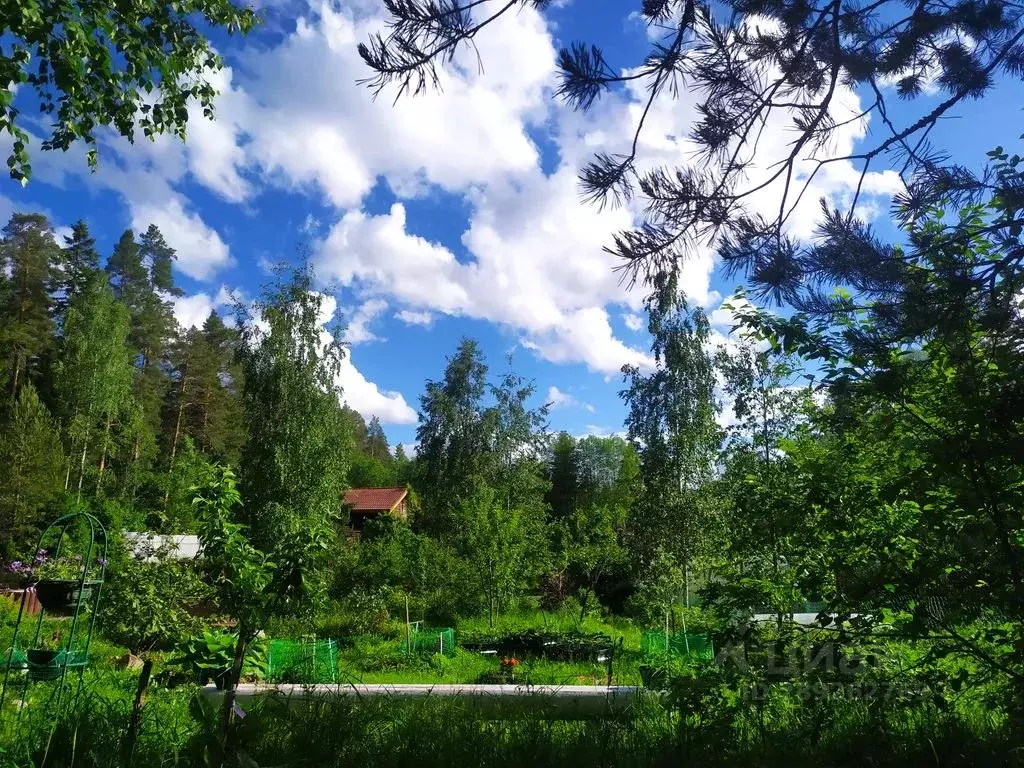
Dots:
pixel 140 273
pixel 376 443
pixel 29 254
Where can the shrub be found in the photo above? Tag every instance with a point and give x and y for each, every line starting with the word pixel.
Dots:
pixel 148 597
pixel 209 656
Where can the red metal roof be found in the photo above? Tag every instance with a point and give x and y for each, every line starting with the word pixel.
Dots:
pixel 374 499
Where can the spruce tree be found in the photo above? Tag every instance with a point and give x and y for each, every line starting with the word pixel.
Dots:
pixel 217 421
pixel 79 262
pixel 31 462
pixel 29 254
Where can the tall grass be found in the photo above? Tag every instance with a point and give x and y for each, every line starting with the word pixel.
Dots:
pixel 782 732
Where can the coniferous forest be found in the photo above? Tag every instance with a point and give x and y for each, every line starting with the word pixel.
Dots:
pixel 804 548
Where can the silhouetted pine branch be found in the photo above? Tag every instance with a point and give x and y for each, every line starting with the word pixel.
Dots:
pixel 784 69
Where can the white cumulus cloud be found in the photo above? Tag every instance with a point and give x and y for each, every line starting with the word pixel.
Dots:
pixel 556 398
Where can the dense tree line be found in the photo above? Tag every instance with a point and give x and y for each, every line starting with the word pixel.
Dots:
pixel 107 403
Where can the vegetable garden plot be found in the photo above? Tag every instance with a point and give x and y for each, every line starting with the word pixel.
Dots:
pixel 546 645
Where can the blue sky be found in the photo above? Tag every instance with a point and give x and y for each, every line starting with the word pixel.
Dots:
pixel 448 215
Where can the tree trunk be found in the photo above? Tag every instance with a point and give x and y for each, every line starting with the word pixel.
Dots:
pixel 230 686
pixel 67 474
pixel 136 718
pixel 137 448
pixel 583 605
pixel 103 453
pixel 81 466
pixel 177 432
pixel 686 582
pixel 16 376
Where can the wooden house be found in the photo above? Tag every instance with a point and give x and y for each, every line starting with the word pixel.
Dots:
pixel 364 504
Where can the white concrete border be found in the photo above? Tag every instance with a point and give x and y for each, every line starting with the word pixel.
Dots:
pixel 559 702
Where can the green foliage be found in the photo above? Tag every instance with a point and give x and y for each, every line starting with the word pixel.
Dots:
pixel 767 520
pixel 671 422
pixel 79 263
pixel 391 562
pixel 31 463
pixel 240 573
pixel 140 274
pixel 29 254
pixel 452 437
pixel 368 472
pixel 208 657
pixel 295 462
pixel 202 403
pixel 93 379
pixel 184 474
pixel 657 589
pixel 503 544
pixel 147 64
pixel 148 598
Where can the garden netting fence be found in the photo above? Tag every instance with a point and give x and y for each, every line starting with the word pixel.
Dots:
pixel 302 661
pixel 661 644
pixel 432 640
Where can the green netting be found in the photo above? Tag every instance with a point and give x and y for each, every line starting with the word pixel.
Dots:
pixel 13 658
pixel 17 659
pixel 302 661
pixel 433 640
pixel 680 644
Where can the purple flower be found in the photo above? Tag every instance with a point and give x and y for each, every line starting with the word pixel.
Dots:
pixel 17 567
pixel 101 562
pixel 41 556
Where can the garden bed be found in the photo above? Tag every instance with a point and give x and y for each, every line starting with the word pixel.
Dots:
pixel 553 646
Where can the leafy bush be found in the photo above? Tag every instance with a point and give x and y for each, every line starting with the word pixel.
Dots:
pixel 148 597
pixel 209 657
pixel 376 655
pixel 364 612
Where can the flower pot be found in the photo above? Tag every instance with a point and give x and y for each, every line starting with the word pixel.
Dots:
pixel 61 597
pixel 43 664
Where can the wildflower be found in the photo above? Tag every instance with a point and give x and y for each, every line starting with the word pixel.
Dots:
pixel 101 562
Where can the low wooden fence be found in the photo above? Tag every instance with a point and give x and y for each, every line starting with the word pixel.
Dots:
pixel 16 596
